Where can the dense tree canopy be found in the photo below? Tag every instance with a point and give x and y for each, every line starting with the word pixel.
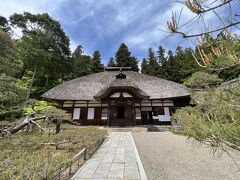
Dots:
pixel 8 61
pixel 175 67
pixel 43 48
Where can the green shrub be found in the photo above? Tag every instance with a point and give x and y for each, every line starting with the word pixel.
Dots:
pixel 10 93
pixel 215 120
pixel 11 113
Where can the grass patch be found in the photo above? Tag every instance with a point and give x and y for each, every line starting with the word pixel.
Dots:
pixel 36 155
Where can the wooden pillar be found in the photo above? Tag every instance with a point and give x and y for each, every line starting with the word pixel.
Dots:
pixel 73 111
pixel 134 114
pixel 101 115
pixel 87 115
pixel 141 112
pixel 108 118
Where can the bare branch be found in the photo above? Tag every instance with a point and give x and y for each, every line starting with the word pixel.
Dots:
pixel 33 122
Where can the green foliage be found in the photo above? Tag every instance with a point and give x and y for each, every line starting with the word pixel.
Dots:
pixel 44 47
pixel 111 62
pixel 96 65
pixel 34 105
pixel 161 55
pixel 81 63
pixel 153 66
pixel 144 66
pixel 12 96
pixel 123 58
pixel 8 62
pixel 46 109
pixel 4 25
pixel 202 80
pixel 215 120
pixel 10 93
pixel 23 83
pixel 175 67
pixel 220 55
pixel 30 155
pixel 10 114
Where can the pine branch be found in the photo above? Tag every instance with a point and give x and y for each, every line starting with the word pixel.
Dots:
pixel 184 35
pixel 197 8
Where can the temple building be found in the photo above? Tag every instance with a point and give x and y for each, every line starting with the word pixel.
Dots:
pixel 120 97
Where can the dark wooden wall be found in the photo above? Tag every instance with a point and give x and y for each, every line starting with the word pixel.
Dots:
pixel 129 114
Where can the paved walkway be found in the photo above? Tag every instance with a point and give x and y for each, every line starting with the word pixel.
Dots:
pixel 117 158
pixel 167 156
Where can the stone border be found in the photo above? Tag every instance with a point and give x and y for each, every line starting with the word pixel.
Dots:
pixel 139 162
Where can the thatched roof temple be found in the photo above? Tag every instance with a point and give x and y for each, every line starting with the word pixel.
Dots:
pixel 116 87
pixel 88 87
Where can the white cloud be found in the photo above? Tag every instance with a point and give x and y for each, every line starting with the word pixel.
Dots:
pixel 103 25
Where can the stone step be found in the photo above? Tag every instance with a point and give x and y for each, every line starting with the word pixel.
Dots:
pixel 117 129
pixel 159 128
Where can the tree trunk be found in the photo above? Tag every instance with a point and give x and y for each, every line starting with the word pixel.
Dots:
pixel 21 73
pixel 62 77
pixel 32 82
pixel 46 83
pixel 26 122
pixel 58 128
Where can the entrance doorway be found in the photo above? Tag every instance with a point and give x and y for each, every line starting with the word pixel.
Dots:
pixel 121 115
pixel 147 117
pixel 120 112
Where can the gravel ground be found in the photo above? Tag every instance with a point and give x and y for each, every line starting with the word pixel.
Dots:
pixel 167 156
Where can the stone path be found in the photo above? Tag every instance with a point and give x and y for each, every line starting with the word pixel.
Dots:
pixel 117 158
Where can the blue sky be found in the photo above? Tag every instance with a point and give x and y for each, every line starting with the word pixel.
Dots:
pixel 104 25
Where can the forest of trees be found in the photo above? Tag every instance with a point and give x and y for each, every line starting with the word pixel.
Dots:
pixel 180 65
pixel 38 61
pixel 175 67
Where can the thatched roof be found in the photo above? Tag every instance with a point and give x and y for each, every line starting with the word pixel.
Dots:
pixel 87 87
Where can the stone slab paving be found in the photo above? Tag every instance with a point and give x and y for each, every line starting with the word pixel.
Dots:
pixel 117 158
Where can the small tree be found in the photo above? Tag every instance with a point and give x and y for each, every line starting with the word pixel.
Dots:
pixel 36 111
